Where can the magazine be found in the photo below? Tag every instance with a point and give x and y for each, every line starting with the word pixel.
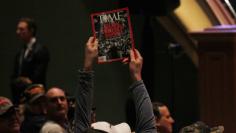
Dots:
pixel 114 33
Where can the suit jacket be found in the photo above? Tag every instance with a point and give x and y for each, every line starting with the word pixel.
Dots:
pixel 34 65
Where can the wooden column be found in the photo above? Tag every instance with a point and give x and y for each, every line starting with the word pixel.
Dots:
pixel 217 77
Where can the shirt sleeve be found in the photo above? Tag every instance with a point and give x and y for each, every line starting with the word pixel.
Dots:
pixel 145 120
pixel 84 98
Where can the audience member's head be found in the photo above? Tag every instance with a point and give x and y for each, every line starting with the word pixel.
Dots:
pixel 163 117
pixel 35 99
pixel 26 29
pixel 9 118
pixel 57 105
pixel 201 127
pixel 19 85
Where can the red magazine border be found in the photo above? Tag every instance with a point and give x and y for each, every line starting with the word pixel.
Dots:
pixel 130 30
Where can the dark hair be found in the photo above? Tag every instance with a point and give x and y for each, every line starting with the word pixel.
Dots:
pixel 31 25
pixel 156 110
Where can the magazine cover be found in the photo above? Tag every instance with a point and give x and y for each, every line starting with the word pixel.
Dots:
pixel 114 32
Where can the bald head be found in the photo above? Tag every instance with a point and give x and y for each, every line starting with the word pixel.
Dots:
pixel 55 91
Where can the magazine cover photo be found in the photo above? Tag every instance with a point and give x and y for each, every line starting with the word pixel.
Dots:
pixel 114 32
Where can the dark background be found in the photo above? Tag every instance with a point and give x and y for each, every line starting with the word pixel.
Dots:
pixel 64 26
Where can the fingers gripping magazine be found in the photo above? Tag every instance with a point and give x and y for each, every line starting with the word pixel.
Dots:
pixel 114 32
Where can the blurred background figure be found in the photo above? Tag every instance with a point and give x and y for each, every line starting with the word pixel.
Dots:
pixel 32 59
pixel 93 115
pixel 18 86
pixel 71 107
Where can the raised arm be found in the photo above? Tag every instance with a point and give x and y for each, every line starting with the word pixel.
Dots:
pixel 84 94
pixel 91 53
pixel 145 120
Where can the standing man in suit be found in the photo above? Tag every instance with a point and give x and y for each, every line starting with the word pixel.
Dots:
pixel 31 62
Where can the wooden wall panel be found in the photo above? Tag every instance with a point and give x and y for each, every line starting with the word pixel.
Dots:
pixel 217 65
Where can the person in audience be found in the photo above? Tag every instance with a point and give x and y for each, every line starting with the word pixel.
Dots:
pixel 93 115
pixel 71 108
pixel 34 113
pixel 163 118
pixel 144 112
pixel 19 85
pixel 9 118
pixel 31 61
pixel 57 111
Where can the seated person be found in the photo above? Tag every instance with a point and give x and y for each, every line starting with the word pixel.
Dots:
pixel 163 118
pixel 34 113
pixel 57 110
pixel 9 118
pixel 19 85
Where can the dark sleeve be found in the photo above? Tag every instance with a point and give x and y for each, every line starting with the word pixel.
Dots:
pixel 84 97
pixel 145 120
pixel 42 59
pixel 15 67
